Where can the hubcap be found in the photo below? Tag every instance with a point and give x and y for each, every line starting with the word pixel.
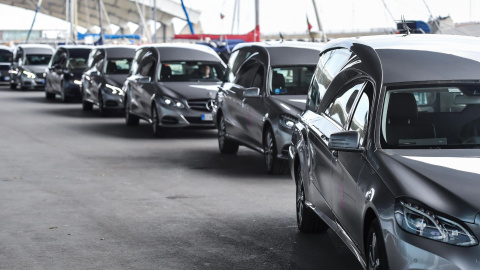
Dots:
pixel 300 199
pixel 374 260
pixel 154 120
pixel 268 149
pixel 221 133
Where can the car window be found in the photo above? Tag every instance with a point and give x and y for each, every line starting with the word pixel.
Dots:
pixel 37 59
pixel 329 64
pixel 246 74
pixel 185 71
pixel 291 80
pixel 259 78
pixel 431 116
pixel 147 68
pixel 5 56
pixel 340 106
pixel 361 114
pixel 118 66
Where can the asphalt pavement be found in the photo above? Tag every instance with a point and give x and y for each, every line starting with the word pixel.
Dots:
pixel 78 191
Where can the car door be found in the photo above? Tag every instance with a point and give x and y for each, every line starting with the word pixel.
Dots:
pixel 97 75
pixel 253 109
pixel 57 70
pixel 143 86
pixel 234 111
pixel 325 169
pixel 350 202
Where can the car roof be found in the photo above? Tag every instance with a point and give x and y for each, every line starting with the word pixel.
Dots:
pixel 415 58
pixel 36 48
pixel 70 47
pixel 6 48
pixel 185 52
pixel 284 53
pixel 115 51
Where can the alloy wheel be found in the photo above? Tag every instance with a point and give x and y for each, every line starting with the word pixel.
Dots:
pixel 268 149
pixel 373 255
pixel 155 121
pixel 222 130
pixel 300 198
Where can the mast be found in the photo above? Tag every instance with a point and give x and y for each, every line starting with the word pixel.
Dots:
pixel 320 28
pixel 257 21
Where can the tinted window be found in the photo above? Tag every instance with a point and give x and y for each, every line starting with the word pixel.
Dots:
pixel 185 71
pixel 433 116
pixel 118 66
pixel 246 74
pixel 291 80
pixel 329 64
pixel 5 56
pixel 341 105
pixel 258 79
pixel 37 59
pixel 360 116
pixel 147 68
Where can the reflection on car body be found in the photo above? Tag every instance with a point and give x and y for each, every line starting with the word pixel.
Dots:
pixel 28 67
pixel 64 72
pixel 386 153
pixel 102 83
pixel 264 90
pixel 6 57
pixel 168 86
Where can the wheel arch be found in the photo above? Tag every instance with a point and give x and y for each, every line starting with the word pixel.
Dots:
pixel 370 215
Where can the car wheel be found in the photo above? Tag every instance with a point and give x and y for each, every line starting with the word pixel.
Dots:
pixel 86 106
pixel 101 109
pixel 376 254
pixel 273 163
pixel 307 220
pixel 49 96
pixel 156 129
pixel 13 86
pixel 225 145
pixel 130 119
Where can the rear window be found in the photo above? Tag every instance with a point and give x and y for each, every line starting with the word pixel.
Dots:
pixel 443 116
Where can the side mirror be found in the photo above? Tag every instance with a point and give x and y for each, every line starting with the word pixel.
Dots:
pixel 251 92
pixel 348 141
pixel 145 79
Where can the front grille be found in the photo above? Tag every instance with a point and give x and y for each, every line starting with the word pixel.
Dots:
pixel 4 67
pixel 197 120
pixel 111 103
pixel 39 75
pixel 203 105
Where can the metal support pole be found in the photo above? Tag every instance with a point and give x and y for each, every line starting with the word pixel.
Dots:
pixel 34 18
pixel 320 28
pixel 188 18
pixel 67 18
pixel 100 21
pixel 154 34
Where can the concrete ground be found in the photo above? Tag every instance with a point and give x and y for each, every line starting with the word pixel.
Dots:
pixel 82 192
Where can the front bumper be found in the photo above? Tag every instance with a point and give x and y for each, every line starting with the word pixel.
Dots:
pixel 72 89
pixel 283 138
pixel 171 117
pixel 32 83
pixel 113 101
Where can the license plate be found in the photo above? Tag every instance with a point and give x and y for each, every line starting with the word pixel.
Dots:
pixel 7 78
pixel 207 117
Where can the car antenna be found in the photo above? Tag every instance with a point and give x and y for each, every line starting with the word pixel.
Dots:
pixel 405 26
pixel 281 36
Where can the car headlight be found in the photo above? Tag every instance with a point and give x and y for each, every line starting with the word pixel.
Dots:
pixel 77 82
pixel 425 223
pixel 172 102
pixel 287 121
pixel 115 90
pixel 29 74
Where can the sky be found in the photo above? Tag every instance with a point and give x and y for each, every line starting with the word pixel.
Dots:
pixel 290 16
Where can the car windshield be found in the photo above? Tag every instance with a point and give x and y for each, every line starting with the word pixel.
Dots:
pixel 37 59
pixel 118 66
pixel 443 116
pixel 187 71
pixel 291 80
pixel 5 56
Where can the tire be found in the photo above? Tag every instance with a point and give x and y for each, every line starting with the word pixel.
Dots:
pixel 376 254
pixel 307 220
pixel 13 86
pixel 272 162
pixel 49 96
pixel 102 111
pixel 86 106
pixel 65 98
pixel 225 145
pixel 130 119
pixel 156 129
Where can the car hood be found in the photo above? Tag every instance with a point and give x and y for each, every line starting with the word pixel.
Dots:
pixel 189 90
pixel 115 79
pixel 445 180
pixel 35 69
pixel 288 101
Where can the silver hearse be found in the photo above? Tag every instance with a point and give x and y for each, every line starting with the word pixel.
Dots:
pixel 28 68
